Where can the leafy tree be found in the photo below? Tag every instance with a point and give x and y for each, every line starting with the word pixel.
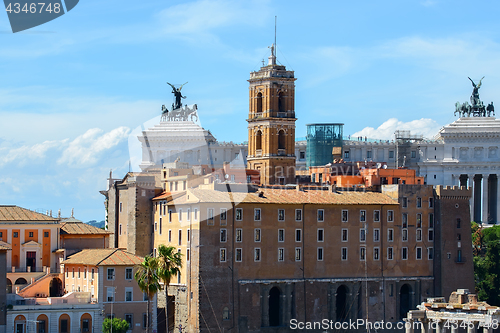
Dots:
pixel 119 325
pixel 486 247
pixel 170 263
pixel 146 275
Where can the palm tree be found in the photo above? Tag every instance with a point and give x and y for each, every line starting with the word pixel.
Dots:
pixel 170 263
pixel 146 275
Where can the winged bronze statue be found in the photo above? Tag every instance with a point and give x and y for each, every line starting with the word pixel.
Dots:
pixel 178 95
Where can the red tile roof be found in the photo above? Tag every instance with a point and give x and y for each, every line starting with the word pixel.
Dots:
pixel 104 257
pixel 19 214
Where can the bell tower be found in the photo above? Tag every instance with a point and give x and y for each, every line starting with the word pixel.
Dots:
pixel 271 123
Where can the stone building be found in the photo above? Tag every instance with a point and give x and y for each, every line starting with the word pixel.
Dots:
pixel 257 257
pixel 4 247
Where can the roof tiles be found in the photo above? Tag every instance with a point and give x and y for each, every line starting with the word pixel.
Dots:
pixel 19 214
pixel 104 257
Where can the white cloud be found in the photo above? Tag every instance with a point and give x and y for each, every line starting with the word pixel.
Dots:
pixel 25 154
pixel 427 127
pixel 87 148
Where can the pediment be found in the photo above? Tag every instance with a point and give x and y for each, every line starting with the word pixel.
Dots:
pixel 32 243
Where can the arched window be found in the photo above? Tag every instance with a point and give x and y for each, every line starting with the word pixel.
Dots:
pixel 281 102
pixel 281 140
pixel 404 300
pixel 274 306
pixel 86 323
pixel 21 281
pixel 42 325
pixel 64 323
pixel 225 313
pixel 258 140
pixel 341 304
pixel 9 286
pixel 259 102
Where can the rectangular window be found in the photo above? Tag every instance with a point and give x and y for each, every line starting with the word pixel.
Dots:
pixel 256 214
pixel 321 215
pixel 368 154
pixel 281 254
pixel 170 216
pixel 298 215
pixel 404 202
pixel 92 277
pixel 362 216
pixel 362 253
pixel 343 253
pixel 239 214
pixel 188 214
pixel 256 254
pixel 458 223
pixel 222 255
pixel 223 235
pixel 298 235
pixel 210 216
pixel 419 220
pixel 256 235
pixel 16 234
pixel 431 202
pixel 110 292
pixel 128 294
pixel 120 229
pixel 121 206
pixel 345 215
pixel 195 214
pixel 390 235
pixel 239 235
pixel 79 273
pixel 321 234
pixel 189 235
pixel 389 253
pixel 129 273
pixel 430 253
pixel 298 253
pixel 405 235
pixel 344 235
pixel 404 253
pixel 156 226
pixel 376 216
pixel 64 322
pixel 161 226
pixel 85 273
pixel 129 319
pixel 111 274
pixel 376 253
pixel 223 216
pixel 431 220
pixel 170 236
pixel 30 234
pixel 45 234
pixel 238 256
pixel 419 235
pixel 188 255
pixel 419 202
pixel 281 215
pixel 346 154
pixel 404 220
pixel 362 235
pixel 179 214
pixel 281 235
pixel 391 153
pixel 180 237
pixel 419 253
pixel 413 154
pixel 376 235
pixel 431 235
pixel 390 216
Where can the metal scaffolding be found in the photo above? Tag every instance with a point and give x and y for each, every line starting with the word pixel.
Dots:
pixel 321 138
pixel 404 140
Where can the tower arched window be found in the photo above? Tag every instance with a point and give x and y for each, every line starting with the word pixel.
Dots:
pixel 258 140
pixel 281 139
pixel 259 102
pixel 281 102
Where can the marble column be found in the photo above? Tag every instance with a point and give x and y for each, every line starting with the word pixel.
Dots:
pixel 409 325
pixel 471 187
pixel 484 216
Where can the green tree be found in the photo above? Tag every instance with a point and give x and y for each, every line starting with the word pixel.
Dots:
pixel 170 263
pixel 119 325
pixel 486 247
pixel 146 275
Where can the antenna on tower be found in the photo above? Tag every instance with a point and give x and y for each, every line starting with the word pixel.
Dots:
pixel 275 23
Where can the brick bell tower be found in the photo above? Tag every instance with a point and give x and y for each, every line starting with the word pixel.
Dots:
pixel 271 123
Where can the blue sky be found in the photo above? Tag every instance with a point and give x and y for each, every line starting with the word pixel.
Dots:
pixel 72 90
